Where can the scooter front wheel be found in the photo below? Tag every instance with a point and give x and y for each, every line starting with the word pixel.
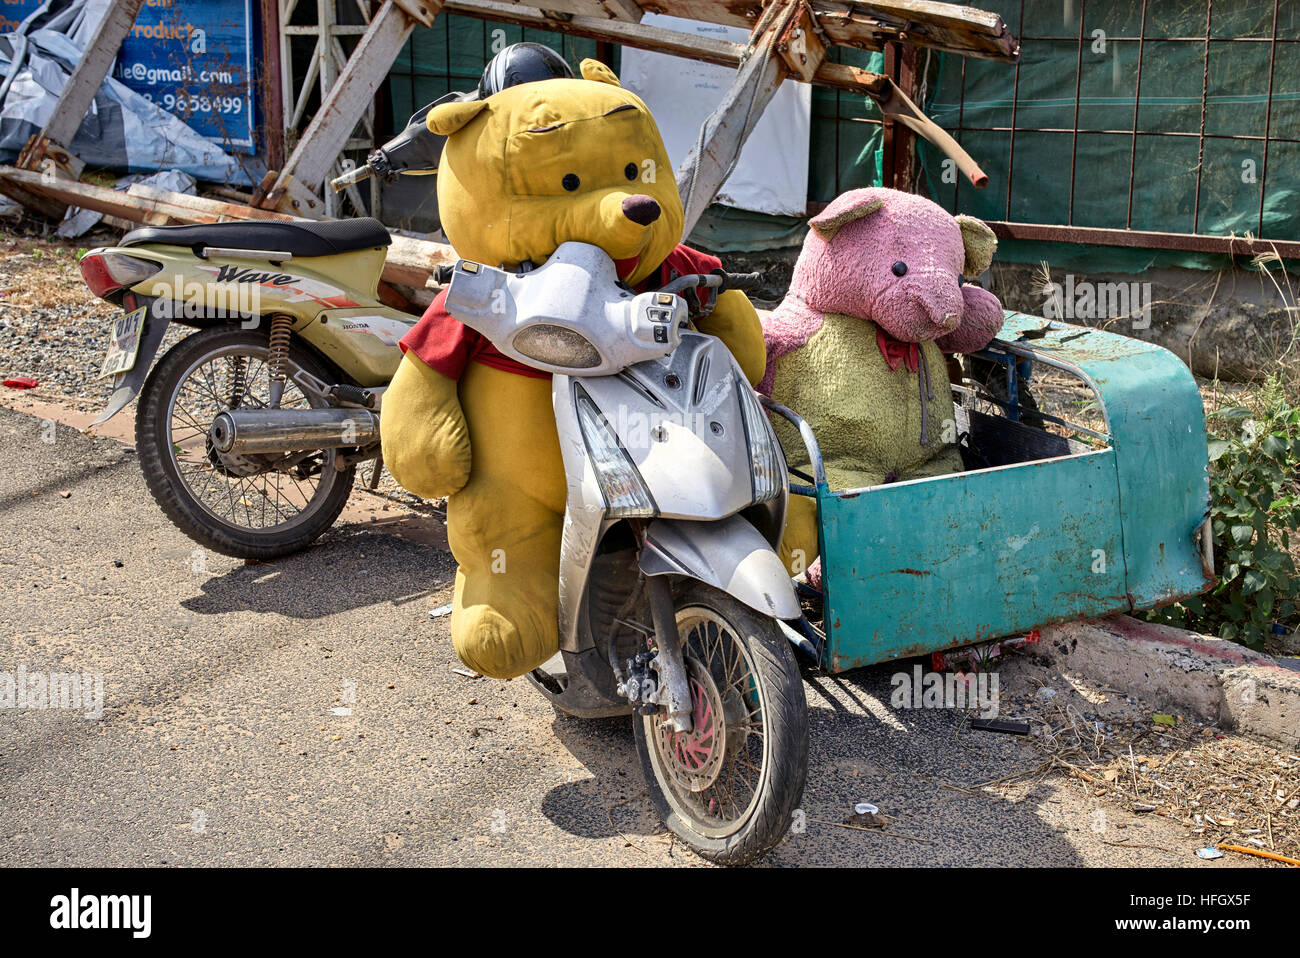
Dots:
pixel 729 787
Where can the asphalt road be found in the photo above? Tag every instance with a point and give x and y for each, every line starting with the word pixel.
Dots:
pixel 306 712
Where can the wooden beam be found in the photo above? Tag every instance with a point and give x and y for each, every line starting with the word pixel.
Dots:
pixel 410 261
pixel 88 76
pixel 645 36
pixel 947 27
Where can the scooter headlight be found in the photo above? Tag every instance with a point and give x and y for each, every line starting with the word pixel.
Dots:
pixel 626 495
pixel 765 465
pixel 557 346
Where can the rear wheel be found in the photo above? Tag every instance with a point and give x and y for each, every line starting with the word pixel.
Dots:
pixel 730 786
pixel 251 507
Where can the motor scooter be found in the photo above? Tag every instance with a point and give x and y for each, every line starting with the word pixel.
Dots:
pixel 671 591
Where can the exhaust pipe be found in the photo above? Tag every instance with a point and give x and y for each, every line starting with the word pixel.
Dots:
pixel 246 431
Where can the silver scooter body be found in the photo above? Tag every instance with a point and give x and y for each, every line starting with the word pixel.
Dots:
pixel 674 440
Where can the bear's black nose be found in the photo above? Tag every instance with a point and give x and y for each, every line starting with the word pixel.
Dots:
pixel 641 209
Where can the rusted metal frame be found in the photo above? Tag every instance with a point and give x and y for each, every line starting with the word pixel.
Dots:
pixel 1146 239
pixel 887 166
pixel 272 93
pixel 1205 93
pixel 1011 145
pixel 340 30
pixel 299 106
pixel 79 92
pixel 367 120
pixel 898 140
pixel 328 71
pixel 961 126
pixel 838 95
pixel 1160 133
pixel 1268 118
pixel 1137 102
pixel 1196 39
pixel 345 100
pixel 1078 86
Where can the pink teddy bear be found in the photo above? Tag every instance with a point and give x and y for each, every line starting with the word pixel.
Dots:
pixel 857 346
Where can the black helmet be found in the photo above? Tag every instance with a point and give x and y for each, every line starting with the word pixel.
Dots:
pixel 521 63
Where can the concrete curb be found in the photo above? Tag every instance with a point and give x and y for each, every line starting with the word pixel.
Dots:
pixel 1218 680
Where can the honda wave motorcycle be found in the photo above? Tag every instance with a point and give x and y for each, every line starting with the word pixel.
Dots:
pixel 250 429
pixel 671 591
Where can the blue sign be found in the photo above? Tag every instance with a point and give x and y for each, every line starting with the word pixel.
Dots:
pixel 14 12
pixel 194 58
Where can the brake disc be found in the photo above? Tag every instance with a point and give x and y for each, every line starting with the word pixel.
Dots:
pixel 695 758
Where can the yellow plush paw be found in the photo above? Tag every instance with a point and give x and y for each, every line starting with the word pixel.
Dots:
pixel 490 644
pixel 799 542
pixel 424 435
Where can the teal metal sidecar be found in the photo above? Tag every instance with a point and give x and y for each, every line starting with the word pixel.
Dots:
pixel 1046 526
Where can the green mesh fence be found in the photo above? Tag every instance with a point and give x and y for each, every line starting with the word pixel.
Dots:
pixel 1063 140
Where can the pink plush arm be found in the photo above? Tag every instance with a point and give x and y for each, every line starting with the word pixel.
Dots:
pixel 981 319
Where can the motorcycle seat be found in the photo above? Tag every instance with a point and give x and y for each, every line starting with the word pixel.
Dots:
pixel 325 238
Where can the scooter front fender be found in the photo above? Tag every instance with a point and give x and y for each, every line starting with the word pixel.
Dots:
pixel 126 385
pixel 728 554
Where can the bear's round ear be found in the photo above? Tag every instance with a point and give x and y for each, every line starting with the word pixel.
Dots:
pixel 980 244
pixel 830 220
pixel 446 118
pixel 595 70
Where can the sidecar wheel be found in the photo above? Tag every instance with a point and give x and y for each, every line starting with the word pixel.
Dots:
pixel 730 787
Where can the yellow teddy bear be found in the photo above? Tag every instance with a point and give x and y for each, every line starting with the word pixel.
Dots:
pixel 529 168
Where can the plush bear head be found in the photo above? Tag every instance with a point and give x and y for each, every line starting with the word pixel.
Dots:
pixel 897 259
pixel 544 163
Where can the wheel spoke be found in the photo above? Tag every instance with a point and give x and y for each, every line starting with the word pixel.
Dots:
pixel 715 792
pixel 226 486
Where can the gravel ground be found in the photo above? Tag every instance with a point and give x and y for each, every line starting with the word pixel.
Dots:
pixel 51 327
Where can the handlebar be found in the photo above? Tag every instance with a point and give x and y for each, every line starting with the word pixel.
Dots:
pixel 719 279
pixel 363 172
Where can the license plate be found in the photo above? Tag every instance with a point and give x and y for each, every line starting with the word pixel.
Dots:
pixel 123 343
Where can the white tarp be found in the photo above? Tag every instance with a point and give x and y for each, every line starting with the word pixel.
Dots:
pixel 772 175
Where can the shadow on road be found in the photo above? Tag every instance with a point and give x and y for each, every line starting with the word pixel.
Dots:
pixel 613 802
pixel 860 750
pixel 366 569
